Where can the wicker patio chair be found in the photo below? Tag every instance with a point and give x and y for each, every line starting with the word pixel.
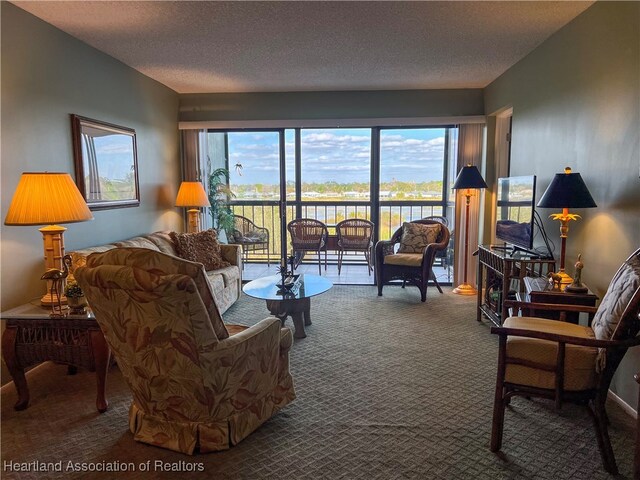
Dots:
pixel 415 268
pixel 355 235
pixel 308 235
pixel 250 236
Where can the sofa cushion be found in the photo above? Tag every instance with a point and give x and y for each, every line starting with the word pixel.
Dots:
pixel 163 264
pixel 416 237
pixel 606 322
pixel 79 257
pixel 404 259
pixel 202 247
pixel 137 242
pixel 580 361
pixel 163 242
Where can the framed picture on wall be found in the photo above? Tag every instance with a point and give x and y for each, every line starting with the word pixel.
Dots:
pixel 106 163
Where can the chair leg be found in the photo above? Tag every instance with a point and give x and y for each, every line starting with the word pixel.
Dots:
pixel 268 258
pixel 325 259
pixel 319 263
pixel 499 403
pixel 339 261
pixel 432 276
pixel 599 416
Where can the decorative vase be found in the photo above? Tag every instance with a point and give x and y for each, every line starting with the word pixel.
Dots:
pixel 77 305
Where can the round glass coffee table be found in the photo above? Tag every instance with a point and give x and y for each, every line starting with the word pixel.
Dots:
pixel 295 304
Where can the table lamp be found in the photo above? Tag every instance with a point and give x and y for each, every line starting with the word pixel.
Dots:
pixel 468 179
pixel 192 196
pixel 47 198
pixel 566 190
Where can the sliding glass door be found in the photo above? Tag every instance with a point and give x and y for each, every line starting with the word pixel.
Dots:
pixel 257 184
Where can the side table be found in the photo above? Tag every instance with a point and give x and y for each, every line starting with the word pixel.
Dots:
pixel 32 337
pixel 539 291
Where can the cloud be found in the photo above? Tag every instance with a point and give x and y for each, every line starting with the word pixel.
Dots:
pixel 341 155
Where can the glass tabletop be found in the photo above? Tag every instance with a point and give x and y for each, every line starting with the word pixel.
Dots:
pixel 266 288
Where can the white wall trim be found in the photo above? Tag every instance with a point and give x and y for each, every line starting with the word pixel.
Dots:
pixel 624 405
pixel 333 123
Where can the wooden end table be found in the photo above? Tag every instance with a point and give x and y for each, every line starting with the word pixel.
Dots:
pixel 33 337
pixel 297 304
pixel 539 291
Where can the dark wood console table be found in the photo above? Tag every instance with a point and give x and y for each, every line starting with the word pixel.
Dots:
pixel 33 337
pixel 538 290
pixel 497 272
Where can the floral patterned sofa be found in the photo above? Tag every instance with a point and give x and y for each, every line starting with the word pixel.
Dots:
pixel 225 282
pixel 197 383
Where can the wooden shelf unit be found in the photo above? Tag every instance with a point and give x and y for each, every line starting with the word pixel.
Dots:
pixel 499 271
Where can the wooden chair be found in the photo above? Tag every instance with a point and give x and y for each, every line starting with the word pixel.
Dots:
pixel 250 236
pixel 414 268
pixel 355 235
pixel 566 362
pixel 308 235
pixel 636 470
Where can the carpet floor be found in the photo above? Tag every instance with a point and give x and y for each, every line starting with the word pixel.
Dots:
pixel 387 387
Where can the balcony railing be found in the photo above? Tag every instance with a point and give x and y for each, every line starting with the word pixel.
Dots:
pixel 392 215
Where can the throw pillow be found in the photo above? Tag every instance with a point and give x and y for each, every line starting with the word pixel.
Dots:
pixel 201 247
pixel 416 237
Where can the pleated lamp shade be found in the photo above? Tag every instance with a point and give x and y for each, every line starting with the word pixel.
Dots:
pixel 192 194
pixel 46 198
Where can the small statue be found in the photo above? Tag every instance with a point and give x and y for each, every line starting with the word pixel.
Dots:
pixel 555 280
pixel 577 286
pixel 57 277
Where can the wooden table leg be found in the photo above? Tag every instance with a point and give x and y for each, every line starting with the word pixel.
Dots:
pixel 101 354
pixel 16 371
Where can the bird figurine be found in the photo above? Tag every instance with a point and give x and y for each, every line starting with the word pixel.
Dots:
pixel 57 278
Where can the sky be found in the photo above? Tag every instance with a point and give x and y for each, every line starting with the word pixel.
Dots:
pixel 340 155
pixel 114 153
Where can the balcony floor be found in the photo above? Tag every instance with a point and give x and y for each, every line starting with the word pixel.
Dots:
pixel 350 274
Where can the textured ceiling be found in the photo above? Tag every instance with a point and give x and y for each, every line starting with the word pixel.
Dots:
pixel 198 47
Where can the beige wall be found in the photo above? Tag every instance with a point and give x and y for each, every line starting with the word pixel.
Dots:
pixel 576 103
pixel 47 75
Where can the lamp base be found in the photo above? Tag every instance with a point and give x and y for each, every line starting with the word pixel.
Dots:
pixel 465 289
pixel 565 278
pixel 194 220
pixel 49 300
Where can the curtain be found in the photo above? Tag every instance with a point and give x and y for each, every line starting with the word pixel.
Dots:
pixel 470 151
pixel 195 164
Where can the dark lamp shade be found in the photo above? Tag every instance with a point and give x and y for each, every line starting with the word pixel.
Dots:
pixel 567 190
pixel 469 177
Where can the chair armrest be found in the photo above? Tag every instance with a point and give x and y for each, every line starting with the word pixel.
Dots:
pixel 554 337
pixel 244 368
pixel 384 247
pixel 232 253
pixel 265 325
pixel 429 254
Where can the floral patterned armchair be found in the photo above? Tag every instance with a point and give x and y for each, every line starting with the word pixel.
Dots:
pixel 196 382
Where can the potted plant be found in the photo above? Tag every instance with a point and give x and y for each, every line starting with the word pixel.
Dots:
pixel 75 298
pixel 219 196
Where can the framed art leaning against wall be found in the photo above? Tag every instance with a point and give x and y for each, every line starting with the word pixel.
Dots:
pixel 106 163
